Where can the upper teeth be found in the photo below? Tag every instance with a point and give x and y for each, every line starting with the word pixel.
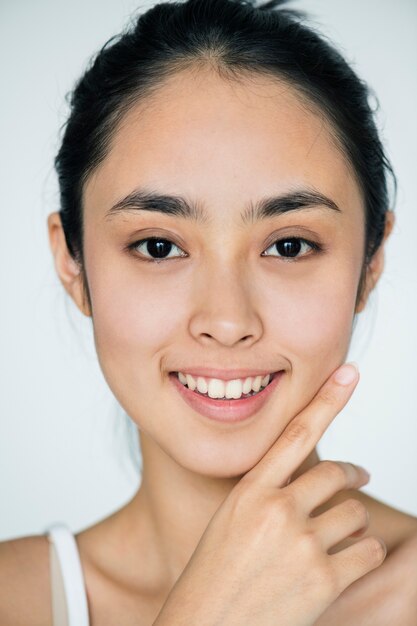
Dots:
pixel 217 388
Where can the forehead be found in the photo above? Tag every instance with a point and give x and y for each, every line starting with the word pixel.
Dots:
pixel 222 142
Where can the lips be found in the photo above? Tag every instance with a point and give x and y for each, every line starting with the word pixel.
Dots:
pixel 226 410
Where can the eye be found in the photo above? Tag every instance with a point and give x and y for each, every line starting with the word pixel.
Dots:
pixel 160 248
pixel 157 247
pixel 290 247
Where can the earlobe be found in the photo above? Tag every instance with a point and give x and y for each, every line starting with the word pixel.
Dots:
pixel 376 266
pixel 372 275
pixel 67 268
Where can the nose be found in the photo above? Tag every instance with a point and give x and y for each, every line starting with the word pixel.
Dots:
pixel 225 312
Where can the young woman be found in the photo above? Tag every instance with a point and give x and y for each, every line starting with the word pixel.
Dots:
pixel 224 211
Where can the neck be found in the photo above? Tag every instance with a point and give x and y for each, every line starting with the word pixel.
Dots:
pixel 172 508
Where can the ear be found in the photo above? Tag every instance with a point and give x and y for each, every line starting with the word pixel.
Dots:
pixel 68 270
pixel 376 265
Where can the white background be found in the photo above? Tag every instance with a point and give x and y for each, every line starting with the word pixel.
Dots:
pixel 64 440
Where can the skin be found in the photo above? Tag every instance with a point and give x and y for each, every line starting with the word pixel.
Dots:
pixel 222 144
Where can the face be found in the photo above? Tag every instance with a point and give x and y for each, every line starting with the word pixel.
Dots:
pixel 225 296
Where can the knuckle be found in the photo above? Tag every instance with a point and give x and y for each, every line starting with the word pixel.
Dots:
pixel 296 432
pixel 285 507
pixel 328 395
pixel 371 552
pixel 357 508
pixel 353 471
pixel 270 506
pixel 334 470
pixel 375 549
pixel 272 513
pixel 309 544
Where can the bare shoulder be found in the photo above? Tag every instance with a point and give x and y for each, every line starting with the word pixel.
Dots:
pixel 393 525
pixel 388 594
pixel 25 596
pixel 398 600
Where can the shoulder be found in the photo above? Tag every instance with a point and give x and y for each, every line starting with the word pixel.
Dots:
pixel 394 526
pixel 393 586
pixel 388 594
pixel 25 596
pixel 402 573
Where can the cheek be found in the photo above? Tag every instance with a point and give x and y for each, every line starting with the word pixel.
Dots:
pixel 321 321
pixel 313 332
pixel 135 315
pixel 312 319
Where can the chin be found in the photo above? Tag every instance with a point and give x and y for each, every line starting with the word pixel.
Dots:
pixel 221 462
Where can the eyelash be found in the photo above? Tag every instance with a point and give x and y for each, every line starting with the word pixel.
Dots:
pixel 316 247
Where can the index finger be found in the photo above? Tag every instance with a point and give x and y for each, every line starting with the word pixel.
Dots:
pixel 304 431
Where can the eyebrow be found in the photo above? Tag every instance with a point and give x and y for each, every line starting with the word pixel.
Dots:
pixel 142 199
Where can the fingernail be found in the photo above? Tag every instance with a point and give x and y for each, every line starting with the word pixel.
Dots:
pixel 364 471
pixel 347 373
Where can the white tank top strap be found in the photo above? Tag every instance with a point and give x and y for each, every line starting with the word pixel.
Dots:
pixel 69 598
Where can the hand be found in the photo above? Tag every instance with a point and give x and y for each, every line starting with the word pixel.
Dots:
pixel 263 559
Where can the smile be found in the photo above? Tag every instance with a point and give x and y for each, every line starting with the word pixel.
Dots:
pixel 225 389
pixel 209 396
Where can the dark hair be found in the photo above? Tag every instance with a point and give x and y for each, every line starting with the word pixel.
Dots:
pixel 234 37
